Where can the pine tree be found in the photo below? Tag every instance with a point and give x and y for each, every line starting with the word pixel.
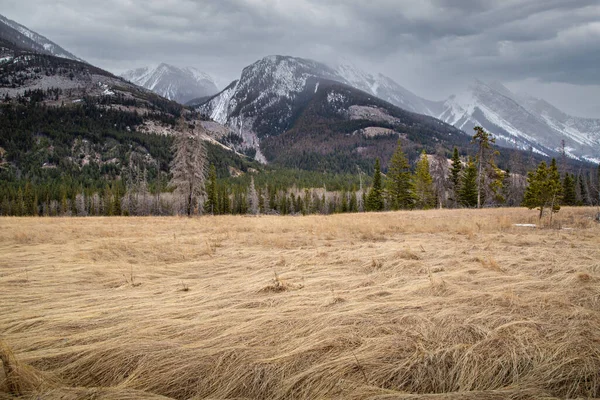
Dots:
pixel 400 188
pixel 569 191
pixel 544 188
pixel 353 204
pixel 455 175
pixel 483 141
pixel 584 195
pixel 425 197
pixel 374 201
pixel 211 205
pixel 467 195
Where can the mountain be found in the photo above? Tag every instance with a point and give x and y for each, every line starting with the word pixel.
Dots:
pixel 304 114
pixel 522 121
pixel 27 39
pixel 67 127
pixel 385 88
pixel 174 83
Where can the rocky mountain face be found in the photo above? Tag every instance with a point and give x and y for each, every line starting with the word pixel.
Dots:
pixel 305 114
pixel 264 102
pixel 178 84
pixel 522 121
pixel 27 39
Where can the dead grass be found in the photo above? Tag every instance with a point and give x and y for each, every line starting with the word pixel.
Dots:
pixel 438 304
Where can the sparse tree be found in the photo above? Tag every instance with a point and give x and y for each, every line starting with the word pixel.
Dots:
pixel 439 174
pixel 484 159
pixel 189 166
pixel 253 206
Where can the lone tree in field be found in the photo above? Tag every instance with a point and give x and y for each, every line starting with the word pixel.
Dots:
pixel 424 184
pixel 544 189
pixel 374 201
pixel 400 187
pixel 188 167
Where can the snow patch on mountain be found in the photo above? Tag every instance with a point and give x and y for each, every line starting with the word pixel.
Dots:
pixel 174 83
pixel 49 46
pixel 521 121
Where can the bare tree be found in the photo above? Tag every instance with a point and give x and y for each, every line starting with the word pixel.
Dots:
pixel 252 198
pixel 439 173
pixel 189 166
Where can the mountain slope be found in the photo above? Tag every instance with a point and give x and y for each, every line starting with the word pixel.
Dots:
pixel 522 121
pixel 68 127
pixel 339 128
pixel 295 112
pixel 173 83
pixel 30 40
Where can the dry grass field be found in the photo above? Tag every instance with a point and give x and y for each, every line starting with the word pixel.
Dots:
pixel 408 305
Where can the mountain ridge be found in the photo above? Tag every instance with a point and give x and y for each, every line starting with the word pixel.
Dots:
pixel 33 41
pixel 174 83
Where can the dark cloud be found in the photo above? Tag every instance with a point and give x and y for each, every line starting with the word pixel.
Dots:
pixel 433 47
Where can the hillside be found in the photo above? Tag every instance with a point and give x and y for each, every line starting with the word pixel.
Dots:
pixel 302 101
pixel 67 127
pixel 339 128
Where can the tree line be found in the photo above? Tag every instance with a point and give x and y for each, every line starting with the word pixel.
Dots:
pixel 192 187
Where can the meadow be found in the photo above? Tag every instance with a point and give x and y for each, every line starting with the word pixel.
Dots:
pixel 440 304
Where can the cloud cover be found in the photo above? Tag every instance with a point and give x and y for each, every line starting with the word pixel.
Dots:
pixel 550 48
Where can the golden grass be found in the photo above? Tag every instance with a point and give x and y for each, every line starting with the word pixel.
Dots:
pixel 438 304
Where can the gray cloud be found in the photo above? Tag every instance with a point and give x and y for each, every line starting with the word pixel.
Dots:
pixel 433 47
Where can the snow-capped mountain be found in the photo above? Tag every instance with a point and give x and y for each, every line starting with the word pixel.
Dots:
pixel 522 121
pixel 30 40
pixel 275 82
pixel 174 83
pixel 386 89
pixel 273 93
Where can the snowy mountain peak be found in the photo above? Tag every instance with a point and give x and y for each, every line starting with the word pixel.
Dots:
pixel 521 120
pixel 174 83
pixel 26 38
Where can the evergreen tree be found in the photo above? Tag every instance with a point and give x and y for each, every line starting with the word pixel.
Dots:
pixel 374 201
pixel 425 197
pixel 211 205
pixel 467 194
pixel 455 175
pixel 544 188
pixel 353 204
pixel 483 140
pixel 569 191
pixel 400 188
pixel 584 195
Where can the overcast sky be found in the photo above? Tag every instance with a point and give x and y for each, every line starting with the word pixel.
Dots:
pixel 549 48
